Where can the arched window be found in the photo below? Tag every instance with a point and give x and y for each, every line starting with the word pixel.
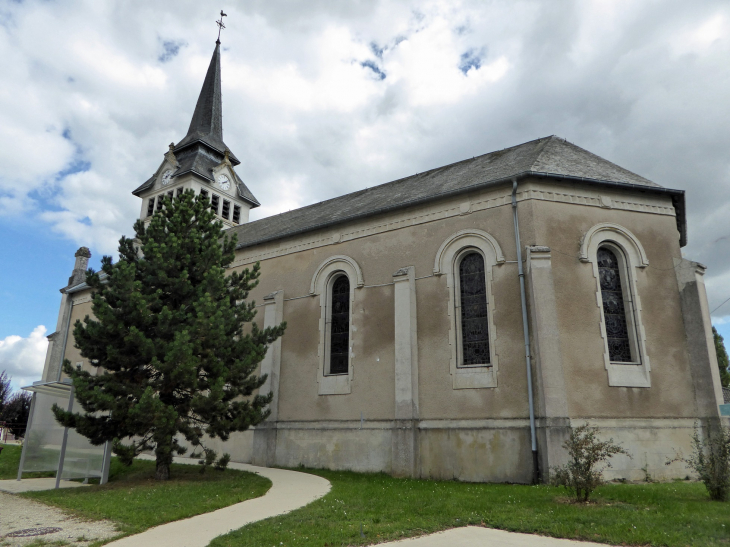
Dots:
pixel 339 325
pixel 467 260
pixel 618 260
pixel 473 314
pixel 618 312
pixel 335 281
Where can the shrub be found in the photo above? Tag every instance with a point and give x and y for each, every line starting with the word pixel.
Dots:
pixel 584 473
pixel 710 459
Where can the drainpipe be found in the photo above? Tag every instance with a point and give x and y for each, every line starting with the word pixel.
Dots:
pixel 526 330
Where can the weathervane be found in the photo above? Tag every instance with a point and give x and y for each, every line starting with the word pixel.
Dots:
pixel 221 26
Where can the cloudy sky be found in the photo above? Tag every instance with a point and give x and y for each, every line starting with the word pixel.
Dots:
pixel 322 98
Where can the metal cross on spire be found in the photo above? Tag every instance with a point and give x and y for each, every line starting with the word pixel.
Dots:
pixel 221 26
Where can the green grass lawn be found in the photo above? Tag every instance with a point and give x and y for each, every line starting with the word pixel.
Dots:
pixel 678 513
pixel 9 461
pixel 135 501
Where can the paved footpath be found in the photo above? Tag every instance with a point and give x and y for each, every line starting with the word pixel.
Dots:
pixel 290 490
pixel 471 536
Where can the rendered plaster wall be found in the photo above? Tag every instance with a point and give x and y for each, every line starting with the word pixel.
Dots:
pixel 78 312
pixel 561 227
pixel 379 256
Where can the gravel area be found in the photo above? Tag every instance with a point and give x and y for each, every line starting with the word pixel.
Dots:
pixel 18 513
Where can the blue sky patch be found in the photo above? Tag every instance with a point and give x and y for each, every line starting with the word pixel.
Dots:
pixel 377 50
pixel 170 49
pixel 76 166
pixel 375 68
pixel 469 60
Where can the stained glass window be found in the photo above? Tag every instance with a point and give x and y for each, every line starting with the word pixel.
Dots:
pixel 474 320
pixel 340 325
pixel 614 311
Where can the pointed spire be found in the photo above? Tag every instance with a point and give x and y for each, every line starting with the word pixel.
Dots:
pixel 207 122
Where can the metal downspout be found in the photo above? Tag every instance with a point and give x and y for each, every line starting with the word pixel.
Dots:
pixel 526 330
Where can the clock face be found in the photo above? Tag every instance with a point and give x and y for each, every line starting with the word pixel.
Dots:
pixel 224 182
pixel 166 176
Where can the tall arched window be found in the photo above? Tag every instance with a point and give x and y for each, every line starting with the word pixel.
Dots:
pixel 473 314
pixel 339 325
pixel 618 260
pixel 617 306
pixel 467 260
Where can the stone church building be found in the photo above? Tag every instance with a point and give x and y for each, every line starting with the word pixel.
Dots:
pixel 459 322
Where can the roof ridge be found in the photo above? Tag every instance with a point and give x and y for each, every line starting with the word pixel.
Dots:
pixel 548 140
pixel 555 138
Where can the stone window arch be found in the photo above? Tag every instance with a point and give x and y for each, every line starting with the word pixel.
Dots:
pixel 616 255
pixel 472 336
pixel 335 281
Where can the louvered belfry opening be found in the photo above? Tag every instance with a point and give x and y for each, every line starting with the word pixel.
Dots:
pixel 340 326
pixel 474 319
pixel 614 311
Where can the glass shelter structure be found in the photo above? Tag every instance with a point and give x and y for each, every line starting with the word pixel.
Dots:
pixel 49 446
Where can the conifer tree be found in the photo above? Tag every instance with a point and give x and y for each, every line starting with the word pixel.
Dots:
pixel 168 337
pixel 722 358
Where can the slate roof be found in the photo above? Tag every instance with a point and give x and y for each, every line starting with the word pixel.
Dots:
pixel 550 157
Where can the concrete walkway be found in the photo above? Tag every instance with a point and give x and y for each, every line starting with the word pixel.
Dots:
pixel 290 490
pixel 470 536
pixel 13 486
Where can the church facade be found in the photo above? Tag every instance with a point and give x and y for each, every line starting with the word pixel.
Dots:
pixel 460 322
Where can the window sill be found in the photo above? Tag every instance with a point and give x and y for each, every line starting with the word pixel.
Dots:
pixel 628 375
pixel 474 377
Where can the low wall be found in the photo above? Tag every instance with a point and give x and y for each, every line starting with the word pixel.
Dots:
pixel 465 450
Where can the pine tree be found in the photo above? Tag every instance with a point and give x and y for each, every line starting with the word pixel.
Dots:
pixel 722 358
pixel 168 335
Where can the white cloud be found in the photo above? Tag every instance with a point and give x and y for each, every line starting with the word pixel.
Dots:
pixel 23 358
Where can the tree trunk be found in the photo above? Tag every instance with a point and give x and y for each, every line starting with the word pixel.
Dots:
pixel 163 452
pixel 162 473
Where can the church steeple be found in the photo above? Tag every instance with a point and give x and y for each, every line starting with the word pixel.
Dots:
pixel 206 125
pixel 201 161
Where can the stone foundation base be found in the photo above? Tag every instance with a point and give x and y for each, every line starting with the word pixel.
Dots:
pixel 465 450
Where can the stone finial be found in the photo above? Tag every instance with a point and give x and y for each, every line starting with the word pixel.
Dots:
pixel 170 155
pixel 226 158
pixel 80 266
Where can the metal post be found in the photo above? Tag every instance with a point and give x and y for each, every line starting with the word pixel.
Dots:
pixel 27 433
pixel 106 462
pixel 65 440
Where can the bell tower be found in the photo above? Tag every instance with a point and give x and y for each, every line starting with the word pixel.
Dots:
pixel 201 161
